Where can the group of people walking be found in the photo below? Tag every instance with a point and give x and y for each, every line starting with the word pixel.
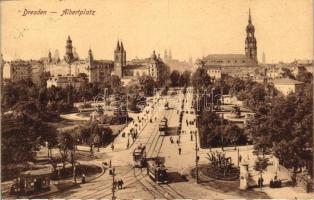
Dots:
pixel 118 184
pixel 178 143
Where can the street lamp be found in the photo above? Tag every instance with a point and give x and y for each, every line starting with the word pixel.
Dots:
pixel 196 155
pixel 74 168
pixel 113 184
pixel 212 94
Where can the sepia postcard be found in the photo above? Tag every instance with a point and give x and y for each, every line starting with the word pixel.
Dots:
pixel 146 99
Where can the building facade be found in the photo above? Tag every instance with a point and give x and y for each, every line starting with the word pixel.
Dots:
pixel 130 70
pixel 71 65
pixel 176 64
pixel 238 65
pixel 287 86
pixel 17 70
pixel 66 81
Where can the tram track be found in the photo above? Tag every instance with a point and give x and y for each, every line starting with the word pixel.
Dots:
pixel 139 176
pixel 128 180
pixel 164 190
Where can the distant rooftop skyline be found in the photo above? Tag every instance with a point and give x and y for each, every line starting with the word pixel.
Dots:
pixel 283 28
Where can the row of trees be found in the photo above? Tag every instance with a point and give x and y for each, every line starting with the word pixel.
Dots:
pixel 180 79
pixel 215 132
pixel 284 126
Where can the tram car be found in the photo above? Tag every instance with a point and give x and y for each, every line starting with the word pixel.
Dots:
pixel 157 171
pixel 163 127
pixel 139 156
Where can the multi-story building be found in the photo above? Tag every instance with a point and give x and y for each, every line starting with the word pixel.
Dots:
pixel 20 69
pixel 71 65
pixel 98 70
pixel 66 81
pixel 287 86
pixel 130 70
pixel 240 65
pixel 176 64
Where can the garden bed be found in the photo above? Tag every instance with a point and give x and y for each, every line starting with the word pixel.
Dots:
pixel 230 175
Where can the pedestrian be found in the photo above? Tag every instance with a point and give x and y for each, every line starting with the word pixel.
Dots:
pixel 259 182
pixel 180 150
pixel 240 158
pixel 112 147
pixel 271 183
pixel 109 163
pixel 83 178
pixel 121 182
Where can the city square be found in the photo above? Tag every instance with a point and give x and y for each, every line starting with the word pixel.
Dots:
pixel 149 118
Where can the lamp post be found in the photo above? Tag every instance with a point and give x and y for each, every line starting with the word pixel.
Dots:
pixel 196 157
pixel 212 94
pixel 113 184
pixel 74 168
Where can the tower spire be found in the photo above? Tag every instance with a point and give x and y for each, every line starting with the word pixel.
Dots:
pixel 250 20
pixel 118 46
pixel 122 48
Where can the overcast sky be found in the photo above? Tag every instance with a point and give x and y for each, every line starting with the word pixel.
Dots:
pixel 284 28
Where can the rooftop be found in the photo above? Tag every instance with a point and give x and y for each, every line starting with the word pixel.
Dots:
pixel 225 56
pixel 286 81
pixel 37 172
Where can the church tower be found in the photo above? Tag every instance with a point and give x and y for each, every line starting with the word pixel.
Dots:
pixel 119 59
pixel 165 55
pixel 49 57
pixel 69 51
pixel 250 41
pixel 92 70
pixel 69 57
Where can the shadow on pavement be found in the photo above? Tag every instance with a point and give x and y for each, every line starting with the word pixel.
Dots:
pixel 175 177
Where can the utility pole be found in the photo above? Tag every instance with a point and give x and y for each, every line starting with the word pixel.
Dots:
pixel 196 158
pixel 221 134
pixel 213 99
pixel 74 169
pixel 238 157
pixel 113 184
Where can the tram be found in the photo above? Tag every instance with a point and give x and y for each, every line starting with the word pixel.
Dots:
pixel 163 127
pixel 157 171
pixel 139 156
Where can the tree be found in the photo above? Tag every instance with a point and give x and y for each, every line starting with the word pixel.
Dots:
pixel 286 73
pixel 284 127
pixel 22 136
pixel 185 78
pixel 261 164
pixel 200 79
pixel 136 102
pixel 164 75
pixel 112 83
pixel 148 85
pixel 304 75
pixel 175 78
pixel 83 75
pixel 232 133
pixel 66 143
